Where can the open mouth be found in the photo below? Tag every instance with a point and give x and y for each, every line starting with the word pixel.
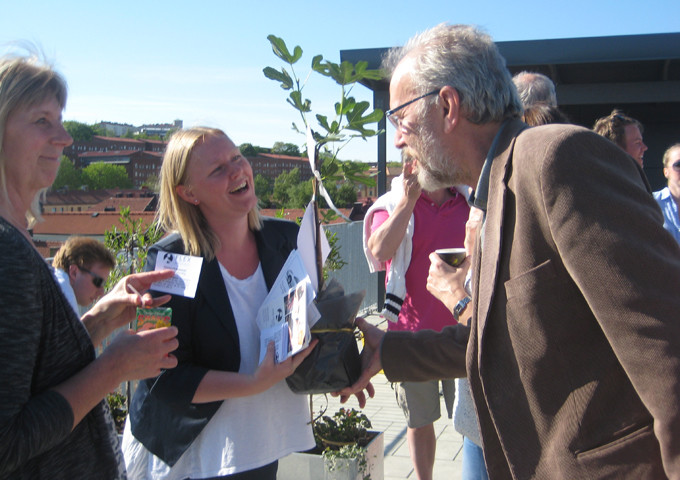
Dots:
pixel 243 187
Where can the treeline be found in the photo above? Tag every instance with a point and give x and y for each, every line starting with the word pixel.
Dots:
pixel 286 191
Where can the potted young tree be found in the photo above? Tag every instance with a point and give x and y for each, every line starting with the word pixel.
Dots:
pixel 346 448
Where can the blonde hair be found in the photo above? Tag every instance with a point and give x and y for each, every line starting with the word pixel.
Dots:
pixel 25 81
pixel 667 153
pixel 176 214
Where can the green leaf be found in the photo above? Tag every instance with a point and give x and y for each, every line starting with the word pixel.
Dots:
pixel 323 121
pixel 279 76
pixel 296 101
pixel 281 50
pixel 362 73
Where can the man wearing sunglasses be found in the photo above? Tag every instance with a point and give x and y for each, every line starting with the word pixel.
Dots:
pixel 669 198
pixel 81 267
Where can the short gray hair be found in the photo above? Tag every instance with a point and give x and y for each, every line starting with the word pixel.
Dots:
pixel 467 59
pixel 535 88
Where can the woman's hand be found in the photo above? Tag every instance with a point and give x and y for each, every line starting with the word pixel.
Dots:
pixel 270 373
pixel 118 307
pixel 135 356
pixel 131 356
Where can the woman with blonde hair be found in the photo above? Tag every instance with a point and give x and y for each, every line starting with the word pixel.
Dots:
pixel 54 421
pixel 218 414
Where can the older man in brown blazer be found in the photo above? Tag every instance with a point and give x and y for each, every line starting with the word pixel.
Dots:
pixel 573 349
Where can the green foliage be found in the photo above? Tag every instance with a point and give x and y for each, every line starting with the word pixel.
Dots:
pixel 102 175
pixel 283 185
pixel 351 118
pixel 81 132
pixel 68 175
pixel 152 183
pixel 249 150
pixel 118 406
pixel 282 148
pixel 263 190
pixel 343 436
pixel 129 244
pixel 334 261
pixel 146 136
pixel 344 195
pixel 345 426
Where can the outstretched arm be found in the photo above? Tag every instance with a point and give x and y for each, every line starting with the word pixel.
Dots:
pixel 219 385
pixel 117 308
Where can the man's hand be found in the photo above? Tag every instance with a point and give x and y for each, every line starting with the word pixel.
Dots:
pixel 412 188
pixel 370 364
pixel 447 283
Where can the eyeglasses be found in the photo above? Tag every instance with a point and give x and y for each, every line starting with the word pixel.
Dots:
pixel 97 281
pixel 396 121
pixel 676 166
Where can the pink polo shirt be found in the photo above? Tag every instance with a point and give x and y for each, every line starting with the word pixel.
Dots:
pixel 434 227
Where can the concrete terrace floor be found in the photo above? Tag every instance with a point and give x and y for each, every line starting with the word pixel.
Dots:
pixel 386 416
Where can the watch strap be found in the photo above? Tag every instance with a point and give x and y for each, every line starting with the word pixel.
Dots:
pixel 460 307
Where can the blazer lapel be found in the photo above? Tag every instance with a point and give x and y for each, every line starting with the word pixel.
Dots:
pixel 493 227
pixel 272 258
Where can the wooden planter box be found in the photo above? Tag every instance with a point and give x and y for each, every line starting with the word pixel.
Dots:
pixel 309 466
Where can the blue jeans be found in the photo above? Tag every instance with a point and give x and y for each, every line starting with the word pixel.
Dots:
pixel 473 461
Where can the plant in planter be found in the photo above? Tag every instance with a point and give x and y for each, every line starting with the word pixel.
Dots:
pixel 344 436
pixel 346 448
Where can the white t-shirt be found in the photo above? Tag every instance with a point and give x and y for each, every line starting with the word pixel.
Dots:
pixel 245 432
pixel 65 284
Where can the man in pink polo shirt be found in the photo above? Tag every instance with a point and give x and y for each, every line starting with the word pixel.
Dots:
pixel 401 229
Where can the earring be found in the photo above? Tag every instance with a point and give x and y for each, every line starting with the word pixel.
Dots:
pixel 196 202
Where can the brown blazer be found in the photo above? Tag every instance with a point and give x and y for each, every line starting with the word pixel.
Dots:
pixel 573 351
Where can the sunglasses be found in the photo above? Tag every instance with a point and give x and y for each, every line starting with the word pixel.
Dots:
pixel 676 166
pixel 97 281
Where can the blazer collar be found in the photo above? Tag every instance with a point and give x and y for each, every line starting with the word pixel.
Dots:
pixel 487 270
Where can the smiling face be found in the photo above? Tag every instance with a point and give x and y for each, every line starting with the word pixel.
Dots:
pixel 33 142
pixel 219 181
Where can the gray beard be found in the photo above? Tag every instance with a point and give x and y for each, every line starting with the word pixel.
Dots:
pixel 436 169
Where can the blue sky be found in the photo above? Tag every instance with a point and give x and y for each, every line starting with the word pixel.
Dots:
pixel 152 62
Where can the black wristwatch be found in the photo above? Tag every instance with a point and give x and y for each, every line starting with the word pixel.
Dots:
pixel 460 307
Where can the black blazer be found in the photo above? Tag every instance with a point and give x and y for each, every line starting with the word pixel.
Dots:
pixel 162 416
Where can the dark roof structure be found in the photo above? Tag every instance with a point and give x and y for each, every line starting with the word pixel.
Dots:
pixel 639 74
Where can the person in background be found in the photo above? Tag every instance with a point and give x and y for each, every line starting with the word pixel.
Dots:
pixel 535 88
pixel 668 197
pixel 81 267
pixel 543 114
pixel 54 421
pixel 574 285
pixel 401 229
pixel 218 414
pixel 624 131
